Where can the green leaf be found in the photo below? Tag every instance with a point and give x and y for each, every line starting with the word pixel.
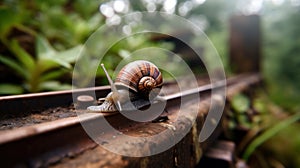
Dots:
pixel 70 55
pixel 47 53
pixel 259 105
pixel 94 21
pixel 44 49
pixel 8 19
pixel 6 88
pixel 52 75
pixel 54 85
pixel 124 53
pixel 243 120
pixel 65 58
pixel 46 64
pixel 240 103
pixel 272 131
pixel 54 62
pixel 15 66
pixel 26 59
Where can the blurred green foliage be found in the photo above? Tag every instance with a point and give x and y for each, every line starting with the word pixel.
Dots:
pixel 259 127
pixel 66 24
pixel 40 41
pixel 37 72
pixel 281 50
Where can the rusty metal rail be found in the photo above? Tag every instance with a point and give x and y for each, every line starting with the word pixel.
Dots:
pixel 48 143
pixel 13 106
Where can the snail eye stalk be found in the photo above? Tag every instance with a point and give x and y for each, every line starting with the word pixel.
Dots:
pixel 113 88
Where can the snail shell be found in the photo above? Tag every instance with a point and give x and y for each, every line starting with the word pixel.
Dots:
pixel 136 85
pixel 140 76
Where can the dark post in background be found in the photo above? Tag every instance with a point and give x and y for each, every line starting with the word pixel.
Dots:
pixel 245 43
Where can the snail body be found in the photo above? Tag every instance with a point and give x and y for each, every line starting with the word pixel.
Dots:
pixel 137 85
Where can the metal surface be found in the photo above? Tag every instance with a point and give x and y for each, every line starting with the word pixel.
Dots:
pixel 12 106
pixel 47 143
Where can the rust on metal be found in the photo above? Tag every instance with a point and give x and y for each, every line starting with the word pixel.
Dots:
pixel 12 106
pixel 59 142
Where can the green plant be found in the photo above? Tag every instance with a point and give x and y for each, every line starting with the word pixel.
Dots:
pixel 240 107
pixel 65 24
pixel 262 131
pixel 38 73
pixel 269 133
pixel 66 29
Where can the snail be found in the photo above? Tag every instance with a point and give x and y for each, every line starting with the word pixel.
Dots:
pixel 137 85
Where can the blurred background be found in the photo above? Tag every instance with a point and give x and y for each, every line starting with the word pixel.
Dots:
pixel 40 40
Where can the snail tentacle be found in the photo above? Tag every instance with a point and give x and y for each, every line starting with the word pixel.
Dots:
pixel 113 88
pixel 136 85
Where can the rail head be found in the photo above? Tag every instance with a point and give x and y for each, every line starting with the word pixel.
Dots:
pixel 72 132
pixel 23 132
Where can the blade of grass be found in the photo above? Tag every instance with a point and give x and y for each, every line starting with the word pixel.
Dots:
pixel 268 134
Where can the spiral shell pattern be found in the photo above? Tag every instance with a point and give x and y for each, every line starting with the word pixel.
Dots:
pixel 140 76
